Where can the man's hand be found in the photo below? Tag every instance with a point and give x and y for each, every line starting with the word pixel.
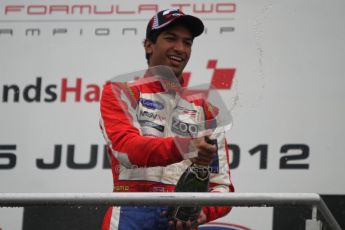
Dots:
pixel 205 150
pixel 179 225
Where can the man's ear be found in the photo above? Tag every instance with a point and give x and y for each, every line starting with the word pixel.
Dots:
pixel 148 46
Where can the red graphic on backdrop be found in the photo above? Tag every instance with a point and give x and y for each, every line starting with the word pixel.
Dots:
pixel 221 79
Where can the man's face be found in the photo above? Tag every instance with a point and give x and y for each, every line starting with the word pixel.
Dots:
pixel 172 48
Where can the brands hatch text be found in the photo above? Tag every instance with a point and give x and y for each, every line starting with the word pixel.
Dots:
pixel 77 91
pixel 37 92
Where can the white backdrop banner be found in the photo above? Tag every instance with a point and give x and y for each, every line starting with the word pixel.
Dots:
pixel 279 64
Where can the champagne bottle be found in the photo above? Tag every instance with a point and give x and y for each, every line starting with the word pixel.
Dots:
pixel 194 179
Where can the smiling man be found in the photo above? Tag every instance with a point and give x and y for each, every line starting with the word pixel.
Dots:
pixel 169 39
pixel 142 130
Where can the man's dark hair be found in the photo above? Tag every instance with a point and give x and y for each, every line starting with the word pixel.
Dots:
pixel 152 38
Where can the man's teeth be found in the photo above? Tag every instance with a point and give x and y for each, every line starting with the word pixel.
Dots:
pixel 175 58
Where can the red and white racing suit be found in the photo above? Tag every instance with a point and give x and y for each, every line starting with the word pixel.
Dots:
pixel 139 123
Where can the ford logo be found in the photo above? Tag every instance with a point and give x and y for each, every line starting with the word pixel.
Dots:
pixel 151 104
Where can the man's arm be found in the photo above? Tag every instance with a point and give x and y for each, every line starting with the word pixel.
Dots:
pixel 124 139
pixel 221 181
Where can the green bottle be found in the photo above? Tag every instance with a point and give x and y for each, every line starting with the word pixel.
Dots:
pixel 194 179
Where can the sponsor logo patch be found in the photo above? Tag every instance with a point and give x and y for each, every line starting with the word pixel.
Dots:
pixel 184 129
pixel 151 115
pixel 146 123
pixel 150 104
pixel 190 112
